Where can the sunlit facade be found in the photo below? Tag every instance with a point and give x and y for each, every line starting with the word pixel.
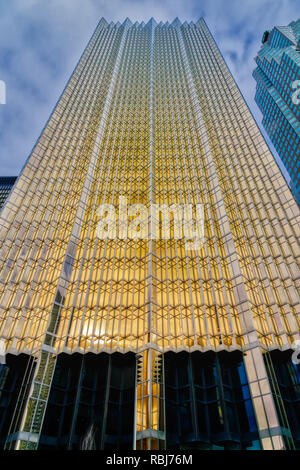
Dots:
pixel 139 343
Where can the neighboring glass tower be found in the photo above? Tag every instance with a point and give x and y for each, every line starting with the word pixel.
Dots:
pixel 278 95
pixel 6 184
pixel 141 343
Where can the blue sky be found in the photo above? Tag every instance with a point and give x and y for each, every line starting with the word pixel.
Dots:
pixel 42 40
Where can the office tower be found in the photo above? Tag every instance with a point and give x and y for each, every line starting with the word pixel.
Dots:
pixel 278 95
pixel 6 184
pixel 138 342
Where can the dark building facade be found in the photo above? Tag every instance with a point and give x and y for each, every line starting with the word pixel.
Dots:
pixel 208 404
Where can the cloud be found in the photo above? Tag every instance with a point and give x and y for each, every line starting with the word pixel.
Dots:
pixel 41 42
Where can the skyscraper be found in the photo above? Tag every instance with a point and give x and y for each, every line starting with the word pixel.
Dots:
pixel 278 95
pixel 6 184
pixel 144 341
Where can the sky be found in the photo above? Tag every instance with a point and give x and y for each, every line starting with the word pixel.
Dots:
pixel 42 40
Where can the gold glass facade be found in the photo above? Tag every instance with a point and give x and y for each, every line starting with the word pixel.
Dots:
pixel 151 113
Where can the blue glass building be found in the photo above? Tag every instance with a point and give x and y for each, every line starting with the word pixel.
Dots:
pixel 278 95
pixel 6 184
